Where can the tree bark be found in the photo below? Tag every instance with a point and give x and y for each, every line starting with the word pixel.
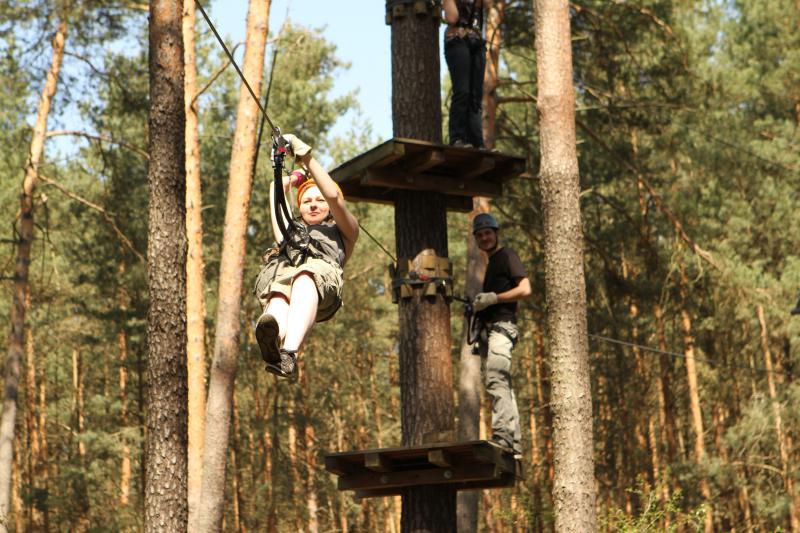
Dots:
pixel 574 490
pixel 226 343
pixel 195 283
pixel 495 9
pixel 786 466
pixel 426 374
pixel 16 340
pixel 36 480
pixel 165 507
pixel 469 374
pixel 694 402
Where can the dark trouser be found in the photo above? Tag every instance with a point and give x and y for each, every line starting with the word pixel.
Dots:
pixel 466 60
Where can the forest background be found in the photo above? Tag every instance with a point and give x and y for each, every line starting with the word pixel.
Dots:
pixel 688 116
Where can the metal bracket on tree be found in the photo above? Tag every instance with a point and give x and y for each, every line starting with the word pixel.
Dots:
pixel 428 272
pixel 401 8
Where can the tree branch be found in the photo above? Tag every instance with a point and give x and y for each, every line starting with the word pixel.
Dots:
pixel 106 215
pixel 216 75
pixel 704 254
pixel 101 138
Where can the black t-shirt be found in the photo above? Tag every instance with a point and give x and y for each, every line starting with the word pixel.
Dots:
pixel 502 273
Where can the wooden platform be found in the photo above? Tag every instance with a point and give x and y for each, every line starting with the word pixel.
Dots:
pixel 460 173
pixel 470 465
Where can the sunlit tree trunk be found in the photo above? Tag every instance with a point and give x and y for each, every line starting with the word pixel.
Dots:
pixel 495 9
pixel 780 435
pixel 122 344
pixel 694 402
pixel 195 285
pixel 82 505
pixel 36 467
pixel 16 499
pixel 237 209
pixel 165 507
pixel 469 374
pixel 16 339
pixel 574 491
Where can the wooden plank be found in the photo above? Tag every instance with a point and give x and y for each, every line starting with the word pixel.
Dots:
pixel 424 161
pixel 338 466
pixel 434 183
pixel 494 454
pixel 413 478
pixel 475 169
pixel 505 481
pixel 402 451
pixel 440 458
pixel 462 204
pixel 378 157
pixel 377 462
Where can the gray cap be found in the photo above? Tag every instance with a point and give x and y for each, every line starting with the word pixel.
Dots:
pixel 484 220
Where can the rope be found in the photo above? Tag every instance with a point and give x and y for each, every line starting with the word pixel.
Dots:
pixel 683 356
pixel 394 260
pixel 275 130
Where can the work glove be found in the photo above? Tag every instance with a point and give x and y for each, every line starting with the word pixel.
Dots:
pixel 295 146
pixel 483 300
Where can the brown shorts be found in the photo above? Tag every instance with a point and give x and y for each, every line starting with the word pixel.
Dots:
pixel 278 275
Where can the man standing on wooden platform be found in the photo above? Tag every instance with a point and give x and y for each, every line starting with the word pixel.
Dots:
pixel 504 285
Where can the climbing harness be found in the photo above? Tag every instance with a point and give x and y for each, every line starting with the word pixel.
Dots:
pixel 474 324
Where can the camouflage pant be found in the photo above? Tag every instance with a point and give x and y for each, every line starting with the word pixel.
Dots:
pixel 496 345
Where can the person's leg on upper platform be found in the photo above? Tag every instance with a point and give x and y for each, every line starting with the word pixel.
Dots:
pixel 458 57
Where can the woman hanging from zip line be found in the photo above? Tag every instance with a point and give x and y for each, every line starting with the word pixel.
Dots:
pixel 294 288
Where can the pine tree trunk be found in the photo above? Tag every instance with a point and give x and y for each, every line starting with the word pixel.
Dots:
pixel 165 507
pixel 43 474
pixel 495 9
pixel 125 464
pixel 469 374
pixel 426 374
pixel 574 490
pixel 226 343
pixel 195 282
pixel 36 481
pixel 16 340
pixel 82 505
pixel 786 466
pixel 16 499
pixel 694 403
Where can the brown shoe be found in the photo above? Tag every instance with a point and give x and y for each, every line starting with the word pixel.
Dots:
pixel 267 335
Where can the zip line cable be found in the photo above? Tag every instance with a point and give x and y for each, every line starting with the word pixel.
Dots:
pixel 394 260
pixel 683 356
pixel 275 130
pixel 266 104
pixel 262 108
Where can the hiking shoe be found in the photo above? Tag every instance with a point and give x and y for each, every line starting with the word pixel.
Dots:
pixel 458 143
pixel 267 335
pixel 286 367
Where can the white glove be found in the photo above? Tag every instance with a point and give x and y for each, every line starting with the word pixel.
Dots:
pixel 295 146
pixel 483 300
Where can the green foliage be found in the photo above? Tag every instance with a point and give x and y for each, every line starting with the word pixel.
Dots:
pixel 687 112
